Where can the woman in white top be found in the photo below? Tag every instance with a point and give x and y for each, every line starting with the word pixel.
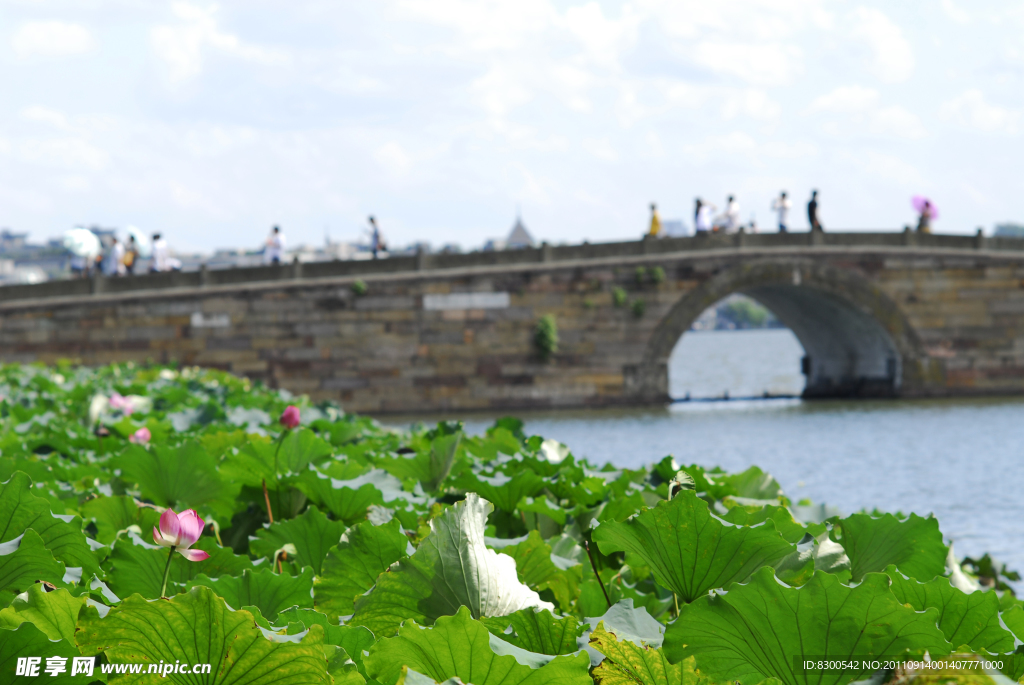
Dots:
pixel 782 205
pixel 160 254
pixel 705 214
pixel 273 253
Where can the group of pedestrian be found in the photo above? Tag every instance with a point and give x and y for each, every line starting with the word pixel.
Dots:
pixel 781 206
pixel 115 257
pixel 706 221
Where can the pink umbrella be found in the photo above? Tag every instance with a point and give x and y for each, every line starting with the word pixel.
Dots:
pixel 919 201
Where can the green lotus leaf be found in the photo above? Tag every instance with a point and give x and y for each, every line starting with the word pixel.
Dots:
pixel 626 663
pixel 965 619
pixel 764 629
pixel 198 627
pixel 459 647
pixel 135 566
pixel 751 484
pixel 537 570
pixel 443 447
pixel 21 510
pixel 351 568
pixel 353 639
pixel 500 490
pixel 111 515
pixel 181 477
pixel 269 591
pixel 1014 620
pixel 260 459
pixel 312 533
pixel 345 504
pixel 790 529
pixel 25 560
pixel 690 551
pixel 537 631
pixel 542 506
pixel 55 613
pixel 914 545
pixel 631 623
pixel 453 567
pixel 29 641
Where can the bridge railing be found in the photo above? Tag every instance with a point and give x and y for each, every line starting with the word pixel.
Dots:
pixel 543 254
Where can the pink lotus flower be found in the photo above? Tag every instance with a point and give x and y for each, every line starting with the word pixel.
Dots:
pixel 180 531
pixel 290 416
pixel 122 403
pixel 141 436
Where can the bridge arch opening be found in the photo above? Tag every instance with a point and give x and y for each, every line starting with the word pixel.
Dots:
pixel 814 344
pixel 855 340
pixel 736 349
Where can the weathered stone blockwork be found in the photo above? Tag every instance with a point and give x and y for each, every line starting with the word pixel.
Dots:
pixel 877 315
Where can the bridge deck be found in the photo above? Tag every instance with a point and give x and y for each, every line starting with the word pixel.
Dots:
pixel 14 296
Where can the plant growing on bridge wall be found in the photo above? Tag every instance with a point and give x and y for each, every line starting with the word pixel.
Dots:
pixel 641 275
pixel 359 288
pixel 618 296
pixel 638 307
pixel 545 336
pixel 658 275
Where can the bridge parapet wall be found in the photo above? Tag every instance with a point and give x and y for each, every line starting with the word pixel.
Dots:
pixel 454 332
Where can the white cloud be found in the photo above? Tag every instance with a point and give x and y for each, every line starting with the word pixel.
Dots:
pixel 897 121
pixel 45 115
pixel 180 46
pixel 65 153
pixel 771 64
pixel 752 102
pixel 858 110
pixel 393 158
pixel 600 148
pixel 972 110
pixel 51 39
pixel 891 57
pixel 955 13
pixel 846 99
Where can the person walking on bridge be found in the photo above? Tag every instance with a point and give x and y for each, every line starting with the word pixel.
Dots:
pixel 730 219
pixel 781 205
pixel 160 255
pixel 655 230
pixel 704 216
pixel 812 212
pixel 273 251
pixel 376 239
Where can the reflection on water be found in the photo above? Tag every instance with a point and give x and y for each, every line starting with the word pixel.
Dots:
pixel 960 459
pixel 740 363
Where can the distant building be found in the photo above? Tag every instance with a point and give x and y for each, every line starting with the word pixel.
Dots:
pixel 1009 231
pixel 12 242
pixel 675 228
pixel 519 237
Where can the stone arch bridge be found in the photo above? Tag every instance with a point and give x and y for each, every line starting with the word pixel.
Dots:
pixel 878 314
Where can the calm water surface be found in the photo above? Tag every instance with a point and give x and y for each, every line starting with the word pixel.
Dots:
pixel 961 460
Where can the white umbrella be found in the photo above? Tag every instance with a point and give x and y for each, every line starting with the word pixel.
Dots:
pixel 142 242
pixel 82 242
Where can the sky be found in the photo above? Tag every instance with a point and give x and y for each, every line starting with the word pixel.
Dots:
pixel 213 122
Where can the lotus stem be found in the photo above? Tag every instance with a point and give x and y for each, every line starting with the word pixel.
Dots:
pixel 167 572
pixel 266 497
pixel 593 565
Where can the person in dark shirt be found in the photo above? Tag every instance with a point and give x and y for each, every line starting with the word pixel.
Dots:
pixel 812 212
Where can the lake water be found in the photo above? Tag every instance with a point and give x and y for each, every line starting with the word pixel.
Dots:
pixel 959 459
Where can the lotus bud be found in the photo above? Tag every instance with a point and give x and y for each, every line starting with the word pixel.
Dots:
pixel 290 416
